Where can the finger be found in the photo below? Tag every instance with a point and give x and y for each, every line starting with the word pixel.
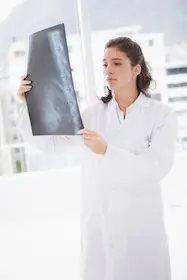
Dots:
pixel 24 89
pixel 23 77
pixel 26 82
pixel 90 132
pixel 87 132
pixel 22 92
pixel 81 131
pixel 88 137
pixel 88 142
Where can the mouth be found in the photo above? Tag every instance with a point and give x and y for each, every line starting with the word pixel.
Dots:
pixel 110 80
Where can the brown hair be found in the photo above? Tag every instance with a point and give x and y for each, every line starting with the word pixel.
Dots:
pixel 135 54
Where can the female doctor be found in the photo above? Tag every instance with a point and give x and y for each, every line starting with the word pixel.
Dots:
pixel 128 147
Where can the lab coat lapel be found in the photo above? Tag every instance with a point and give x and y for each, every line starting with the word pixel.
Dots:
pixel 130 127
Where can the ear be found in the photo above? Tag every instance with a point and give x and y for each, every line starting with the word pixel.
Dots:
pixel 137 69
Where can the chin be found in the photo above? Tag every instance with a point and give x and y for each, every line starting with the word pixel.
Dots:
pixel 110 86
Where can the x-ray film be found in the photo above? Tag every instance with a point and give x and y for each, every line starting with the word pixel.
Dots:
pixel 52 102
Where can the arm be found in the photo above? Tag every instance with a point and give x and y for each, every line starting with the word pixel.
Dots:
pixel 123 166
pixel 48 144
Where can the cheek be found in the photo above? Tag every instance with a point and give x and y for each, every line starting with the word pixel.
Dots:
pixel 126 76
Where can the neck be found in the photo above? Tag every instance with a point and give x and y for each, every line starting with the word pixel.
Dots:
pixel 125 97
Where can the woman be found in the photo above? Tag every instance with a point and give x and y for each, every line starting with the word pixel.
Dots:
pixel 128 147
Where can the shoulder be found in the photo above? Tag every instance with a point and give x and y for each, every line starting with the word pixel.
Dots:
pixel 162 115
pixel 159 109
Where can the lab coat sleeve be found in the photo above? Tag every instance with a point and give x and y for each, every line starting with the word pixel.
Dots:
pixel 48 144
pixel 123 166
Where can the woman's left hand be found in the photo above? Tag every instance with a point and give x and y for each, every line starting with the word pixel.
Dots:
pixel 94 141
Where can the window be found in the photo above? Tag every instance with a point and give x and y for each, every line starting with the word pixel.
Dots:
pixel 177 85
pixel 175 71
pixel 151 43
pixel 177 99
pixel 184 139
pixel 19 53
pixel 13 123
pixel 16 62
pixel 15 137
pixel 181 113
pixel 184 143
pixel 17 150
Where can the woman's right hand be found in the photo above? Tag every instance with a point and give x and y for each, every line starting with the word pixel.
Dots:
pixel 24 87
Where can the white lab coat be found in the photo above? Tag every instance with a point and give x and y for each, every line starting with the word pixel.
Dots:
pixel 122 219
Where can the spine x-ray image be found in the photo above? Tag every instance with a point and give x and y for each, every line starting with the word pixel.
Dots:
pixel 52 102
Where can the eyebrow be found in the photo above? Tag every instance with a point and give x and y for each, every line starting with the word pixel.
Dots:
pixel 113 59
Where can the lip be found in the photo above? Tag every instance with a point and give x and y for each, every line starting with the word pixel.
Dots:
pixel 111 79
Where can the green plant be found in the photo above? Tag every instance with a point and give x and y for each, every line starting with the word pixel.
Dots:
pixel 18 166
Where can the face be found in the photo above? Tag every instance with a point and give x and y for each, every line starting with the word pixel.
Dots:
pixel 118 71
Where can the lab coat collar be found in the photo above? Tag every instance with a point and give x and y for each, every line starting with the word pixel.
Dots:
pixel 141 102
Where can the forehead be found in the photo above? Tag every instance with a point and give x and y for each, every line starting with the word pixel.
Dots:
pixel 114 53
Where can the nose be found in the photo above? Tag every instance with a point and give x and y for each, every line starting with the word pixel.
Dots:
pixel 108 70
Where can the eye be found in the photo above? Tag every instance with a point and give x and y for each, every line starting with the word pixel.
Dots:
pixel 104 65
pixel 117 63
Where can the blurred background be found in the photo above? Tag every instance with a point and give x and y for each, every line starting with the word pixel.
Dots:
pixel 160 27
